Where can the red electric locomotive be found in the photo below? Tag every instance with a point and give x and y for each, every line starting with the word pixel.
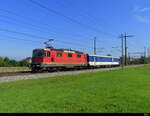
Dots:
pixel 49 58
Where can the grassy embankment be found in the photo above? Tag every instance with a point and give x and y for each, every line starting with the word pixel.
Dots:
pixel 108 91
pixel 13 69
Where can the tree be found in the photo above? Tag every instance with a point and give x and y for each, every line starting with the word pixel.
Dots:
pixel 109 55
pixel 6 62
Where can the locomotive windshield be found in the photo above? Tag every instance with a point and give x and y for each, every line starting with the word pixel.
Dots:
pixel 38 53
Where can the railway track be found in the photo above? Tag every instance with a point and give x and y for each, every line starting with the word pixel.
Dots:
pixel 4 74
pixel 19 73
pixel 12 76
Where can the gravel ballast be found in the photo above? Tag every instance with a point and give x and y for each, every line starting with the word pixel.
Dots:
pixel 44 75
pixel 53 74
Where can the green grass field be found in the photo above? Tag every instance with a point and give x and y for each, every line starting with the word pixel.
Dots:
pixel 115 91
pixel 13 69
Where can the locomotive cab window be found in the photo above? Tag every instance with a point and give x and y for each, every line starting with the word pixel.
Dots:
pixel 34 54
pixel 69 55
pixel 59 54
pixel 48 54
pixel 78 56
pixel 41 53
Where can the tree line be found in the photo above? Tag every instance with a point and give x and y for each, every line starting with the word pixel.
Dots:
pixel 142 60
pixel 7 62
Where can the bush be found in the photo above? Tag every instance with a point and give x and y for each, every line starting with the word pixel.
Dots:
pixel 6 62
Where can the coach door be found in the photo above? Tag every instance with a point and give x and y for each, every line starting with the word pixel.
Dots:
pixel 94 60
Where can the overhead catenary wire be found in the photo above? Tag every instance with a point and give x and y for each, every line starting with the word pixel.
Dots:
pixel 70 19
pixel 31 25
pixel 22 33
pixel 20 24
pixel 46 25
pixel 41 38
pixel 20 39
pixel 34 42
pixel 85 13
pixel 38 37
pixel 40 31
pixel 89 17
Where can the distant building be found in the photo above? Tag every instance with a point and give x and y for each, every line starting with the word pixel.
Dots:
pixel 135 59
pixel 28 59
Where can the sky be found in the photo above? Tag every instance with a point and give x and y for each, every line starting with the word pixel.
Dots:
pixel 25 26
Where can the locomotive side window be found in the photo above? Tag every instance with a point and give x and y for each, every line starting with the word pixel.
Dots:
pixel 69 55
pixel 48 54
pixel 59 54
pixel 79 56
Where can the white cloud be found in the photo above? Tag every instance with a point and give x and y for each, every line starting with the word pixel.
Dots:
pixel 139 16
pixel 144 9
pixel 137 9
pixel 142 19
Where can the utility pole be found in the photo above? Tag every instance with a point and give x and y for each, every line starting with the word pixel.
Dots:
pixel 121 36
pixel 125 36
pixel 144 52
pixel 94 45
pixel 129 56
pixel 148 51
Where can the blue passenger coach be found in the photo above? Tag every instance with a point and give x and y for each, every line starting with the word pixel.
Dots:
pixel 99 60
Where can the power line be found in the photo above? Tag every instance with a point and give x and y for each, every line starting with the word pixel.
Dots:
pixel 22 33
pixel 62 42
pixel 16 22
pixel 69 18
pixel 38 37
pixel 34 27
pixel 136 53
pixel 86 13
pixel 20 39
pixel 66 42
pixel 33 20
pixel 40 31
pixel 30 41
pixel 30 35
pixel 41 38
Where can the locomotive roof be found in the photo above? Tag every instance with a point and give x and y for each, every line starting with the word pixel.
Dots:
pixel 63 50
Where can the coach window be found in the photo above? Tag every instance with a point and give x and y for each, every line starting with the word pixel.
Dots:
pixel 59 54
pixel 69 55
pixel 48 54
pixel 79 56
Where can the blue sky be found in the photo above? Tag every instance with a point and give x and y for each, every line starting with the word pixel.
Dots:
pixel 109 17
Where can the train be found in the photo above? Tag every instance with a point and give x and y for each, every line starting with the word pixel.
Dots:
pixel 47 59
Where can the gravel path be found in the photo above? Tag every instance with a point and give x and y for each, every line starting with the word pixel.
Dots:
pixel 53 74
